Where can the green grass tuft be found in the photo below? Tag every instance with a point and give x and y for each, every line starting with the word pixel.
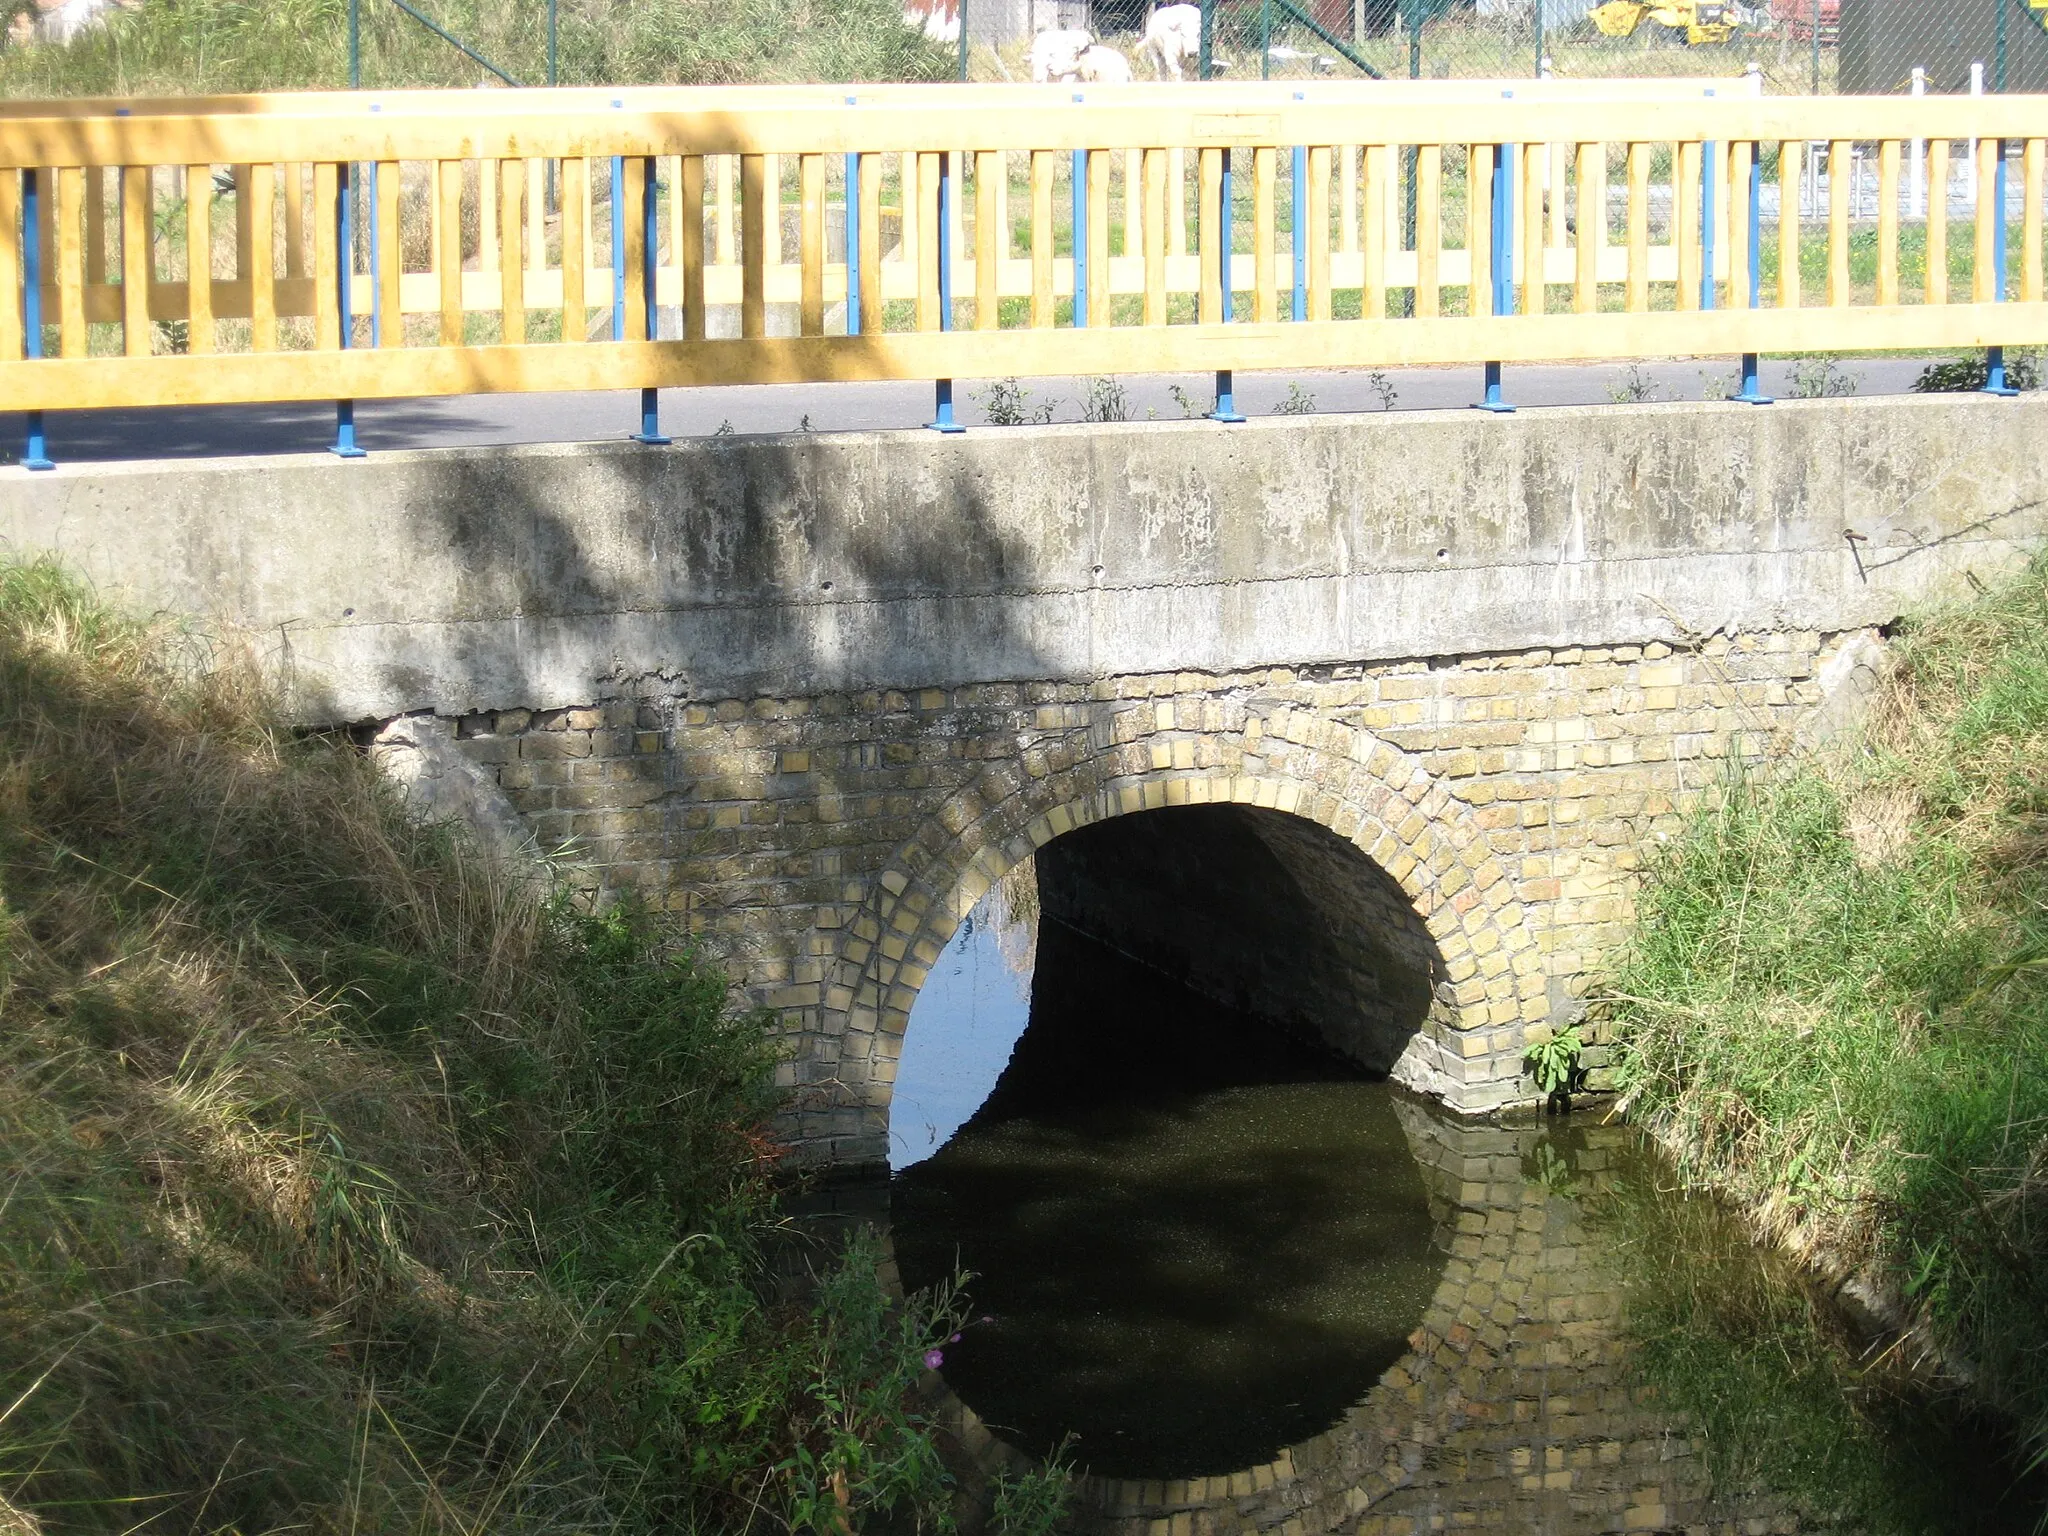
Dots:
pixel 1836 1000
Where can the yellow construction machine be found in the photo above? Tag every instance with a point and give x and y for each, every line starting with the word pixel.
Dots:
pixel 1702 21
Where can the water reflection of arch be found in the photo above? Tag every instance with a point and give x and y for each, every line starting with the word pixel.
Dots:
pixel 1155 755
pixel 1514 1407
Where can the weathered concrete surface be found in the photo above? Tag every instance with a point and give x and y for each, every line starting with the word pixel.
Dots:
pixel 543 577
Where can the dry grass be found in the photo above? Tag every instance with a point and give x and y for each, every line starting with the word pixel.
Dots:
pixel 349 1184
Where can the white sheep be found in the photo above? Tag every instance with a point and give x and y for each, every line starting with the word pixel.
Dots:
pixel 1056 54
pixel 64 21
pixel 1103 65
pixel 933 23
pixel 1173 41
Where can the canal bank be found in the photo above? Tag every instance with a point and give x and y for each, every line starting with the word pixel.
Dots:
pixel 1130 1281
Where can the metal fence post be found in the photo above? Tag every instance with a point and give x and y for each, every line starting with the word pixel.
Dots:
pixel 36 455
pixel 1503 242
pixel 942 417
pixel 1226 395
pixel 1994 357
pixel 963 39
pixel 1208 51
pixel 1080 194
pixel 1299 308
pixel 852 236
pixel 650 431
pixel 1752 388
pixel 345 446
pixel 1710 159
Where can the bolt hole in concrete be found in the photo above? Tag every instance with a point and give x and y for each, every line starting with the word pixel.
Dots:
pixel 1197 1224
pixel 1144 1102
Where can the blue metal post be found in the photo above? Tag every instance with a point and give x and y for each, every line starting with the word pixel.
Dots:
pixel 1300 308
pixel 1994 357
pixel 376 289
pixel 942 415
pixel 853 238
pixel 1503 242
pixel 36 455
pixel 1226 396
pixel 1080 193
pixel 1710 160
pixel 1752 387
pixel 650 431
pixel 345 446
pixel 619 243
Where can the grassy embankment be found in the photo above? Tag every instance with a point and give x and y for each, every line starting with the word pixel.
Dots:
pixel 350 1184
pixel 1836 1005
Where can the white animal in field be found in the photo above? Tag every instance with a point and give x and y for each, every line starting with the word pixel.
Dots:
pixel 63 21
pixel 1103 65
pixel 1172 43
pixel 1056 54
pixel 934 23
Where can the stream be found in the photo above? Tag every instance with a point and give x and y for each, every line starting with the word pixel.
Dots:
pixel 1229 1276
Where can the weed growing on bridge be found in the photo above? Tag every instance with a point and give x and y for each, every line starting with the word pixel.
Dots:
pixel 1821 378
pixel 352 1182
pixel 1299 402
pixel 1005 402
pixel 1105 400
pixel 1383 387
pixel 1634 388
pixel 1837 1002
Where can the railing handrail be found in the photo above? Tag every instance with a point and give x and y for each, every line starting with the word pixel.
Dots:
pixel 741 120
pixel 1378 178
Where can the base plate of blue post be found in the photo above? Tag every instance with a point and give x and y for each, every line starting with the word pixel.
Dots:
pixel 1226 401
pixel 650 431
pixel 1492 400
pixel 1752 391
pixel 942 416
pixel 344 444
pixel 35 455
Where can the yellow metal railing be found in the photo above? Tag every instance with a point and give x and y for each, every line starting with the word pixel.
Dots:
pixel 302 247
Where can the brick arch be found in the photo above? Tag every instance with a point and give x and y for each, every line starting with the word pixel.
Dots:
pixel 1150 756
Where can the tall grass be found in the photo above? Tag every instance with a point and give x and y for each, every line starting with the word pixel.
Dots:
pixel 176 47
pixel 350 1184
pixel 1836 1002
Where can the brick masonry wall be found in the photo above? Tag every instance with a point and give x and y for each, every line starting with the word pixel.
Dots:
pixel 826 847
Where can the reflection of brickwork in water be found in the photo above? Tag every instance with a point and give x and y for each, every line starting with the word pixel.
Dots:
pixel 827 847
pixel 1515 1410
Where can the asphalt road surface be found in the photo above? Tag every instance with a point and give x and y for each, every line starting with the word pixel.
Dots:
pixel 476 421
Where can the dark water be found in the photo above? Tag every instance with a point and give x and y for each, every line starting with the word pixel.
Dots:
pixel 1204 1247
pixel 1199 1241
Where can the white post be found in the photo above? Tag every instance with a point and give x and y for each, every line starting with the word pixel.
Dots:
pixel 1753 78
pixel 1918 169
pixel 1970 161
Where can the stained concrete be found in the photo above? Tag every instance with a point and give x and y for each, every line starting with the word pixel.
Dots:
pixel 462 581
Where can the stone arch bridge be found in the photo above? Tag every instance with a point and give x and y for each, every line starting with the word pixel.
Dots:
pixel 1440 680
